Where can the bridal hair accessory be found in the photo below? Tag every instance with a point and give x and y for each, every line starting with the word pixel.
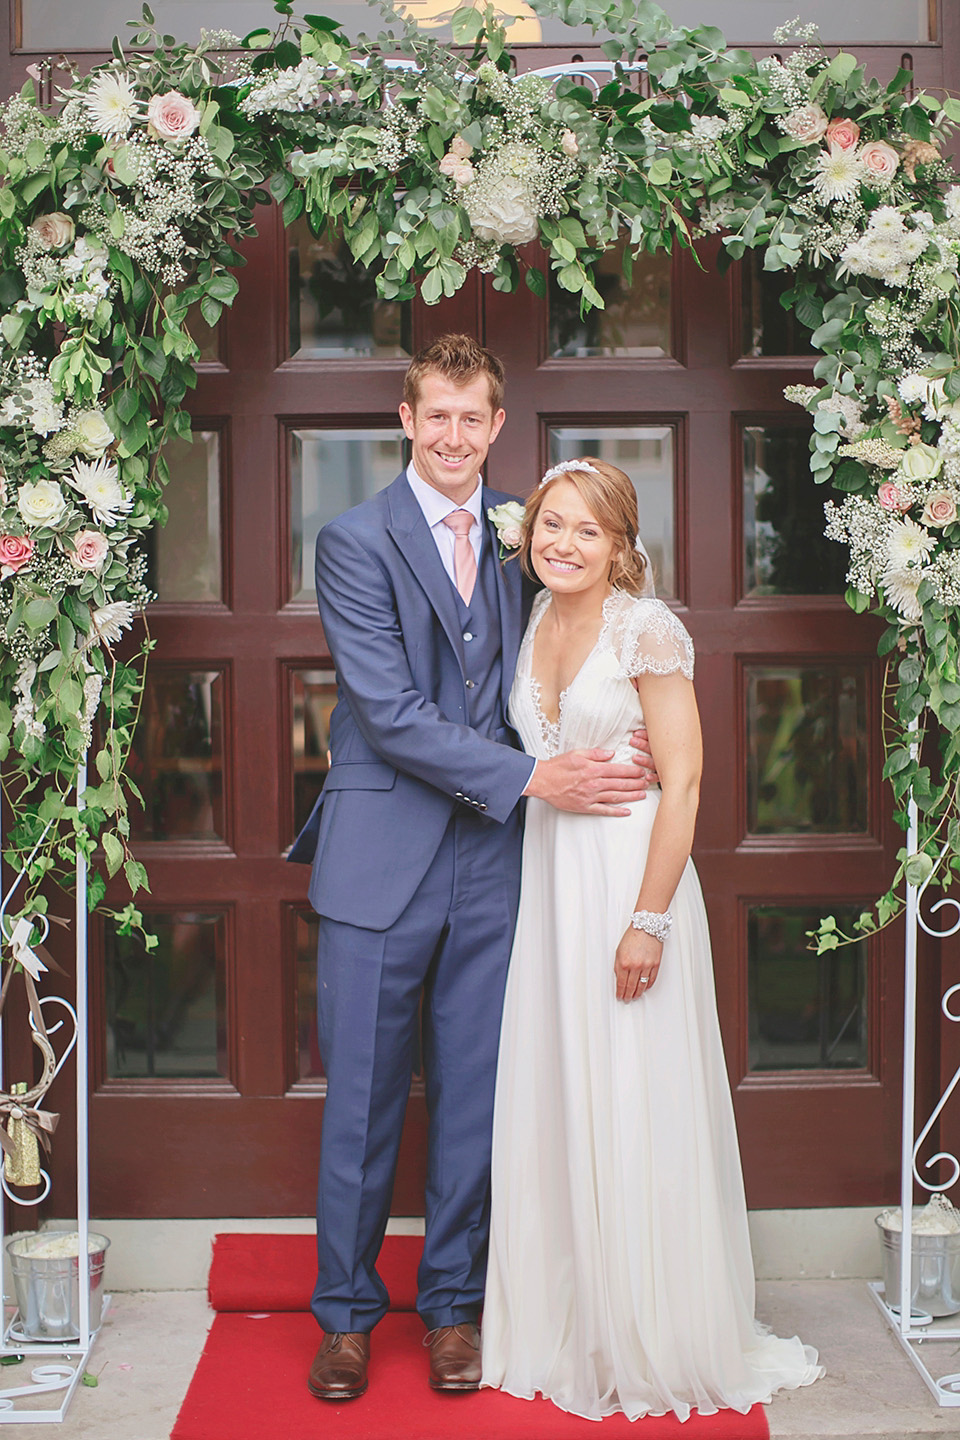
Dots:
pixel 565 467
pixel 656 925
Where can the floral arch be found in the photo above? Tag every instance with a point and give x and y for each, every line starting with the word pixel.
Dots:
pixel 121 208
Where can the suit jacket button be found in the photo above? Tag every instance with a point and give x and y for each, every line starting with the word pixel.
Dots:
pixel 470 684
pixel 468 634
pixel 481 806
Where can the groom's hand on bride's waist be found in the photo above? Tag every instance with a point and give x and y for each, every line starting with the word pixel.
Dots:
pixel 591 783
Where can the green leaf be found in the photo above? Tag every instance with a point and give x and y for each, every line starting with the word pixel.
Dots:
pixel 660 171
pixel 292 206
pixel 431 288
pixel 38 613
pixel 537 282
pixel 136 876
pixel 841 67
pixel 917 869
pixel 112 851
pixel 210 309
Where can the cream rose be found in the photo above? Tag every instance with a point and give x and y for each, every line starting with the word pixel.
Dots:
pixel 463 173
pixel 568 144
pixel 892 497
pixel 844 133
pixel 461 148
pixel 15 551
pixel 940 510
pixel 41 503
pixel 448 164
pixel 879 159
pixel 920 462
pixel 90 549
pixel 54 231
pixel 93 433
pixel 172 116
pixel 808 123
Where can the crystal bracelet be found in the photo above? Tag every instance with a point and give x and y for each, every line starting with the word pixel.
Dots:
pixel 656 925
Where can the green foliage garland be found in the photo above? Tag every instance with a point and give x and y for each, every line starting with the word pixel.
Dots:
pixel 122 209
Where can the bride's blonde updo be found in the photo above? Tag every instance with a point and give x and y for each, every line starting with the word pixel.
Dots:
pixel 612 501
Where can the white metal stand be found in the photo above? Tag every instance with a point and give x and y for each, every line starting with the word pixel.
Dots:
pixel 65 1360
pixel 915 1328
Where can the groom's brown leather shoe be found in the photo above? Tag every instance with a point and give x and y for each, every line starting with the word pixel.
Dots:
pixel 454 1357
pixel 339 1369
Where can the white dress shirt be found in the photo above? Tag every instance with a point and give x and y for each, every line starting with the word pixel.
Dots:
pixel 436 507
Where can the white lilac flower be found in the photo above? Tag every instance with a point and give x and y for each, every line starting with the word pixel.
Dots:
pixel 900 589
pixel 109 622
pixel 951 201
pixel 838 176
pixel 98 483
pixel 112 104
pixel 908 545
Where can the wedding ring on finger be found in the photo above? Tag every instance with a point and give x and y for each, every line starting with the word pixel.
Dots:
pixel 644 979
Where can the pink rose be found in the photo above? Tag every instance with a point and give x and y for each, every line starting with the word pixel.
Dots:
pixel 511 537
pixel 843 133
pixel 449 163
pixel 172 116
pixel 463 173
pixel 879 159
pixel 15 551
pixel 90 550
pixel 54 231
pixel 939 510
pixel 891 497
pixel 807 123
pixel 461 148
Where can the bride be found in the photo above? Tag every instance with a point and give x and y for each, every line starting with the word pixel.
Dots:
pixel 620 1275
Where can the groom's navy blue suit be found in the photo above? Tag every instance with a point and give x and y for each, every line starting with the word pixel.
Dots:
pixel 416 864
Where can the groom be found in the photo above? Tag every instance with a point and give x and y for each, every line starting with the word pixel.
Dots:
pixel 416 862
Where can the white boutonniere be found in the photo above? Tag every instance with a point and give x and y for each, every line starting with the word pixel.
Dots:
pixel 507 519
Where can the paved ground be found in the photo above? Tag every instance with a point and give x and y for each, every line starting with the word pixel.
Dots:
pixel 149 1344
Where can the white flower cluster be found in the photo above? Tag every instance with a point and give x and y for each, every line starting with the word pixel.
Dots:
pixel 790 78
pixel 887 249
pixel 503 200
pixel 707 130
pixel 30 400
pixel 77 279
pixel 848 407
pixel 163 198
pixel 301 87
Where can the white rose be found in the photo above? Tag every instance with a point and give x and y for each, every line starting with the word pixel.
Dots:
pixel 507 217
pixel 808 123
pixel 93 433
pixel 41 503
pixel 568 144
pixel 54 230
pixel 921 462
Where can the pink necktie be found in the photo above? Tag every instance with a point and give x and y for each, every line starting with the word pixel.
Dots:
pixel 464 560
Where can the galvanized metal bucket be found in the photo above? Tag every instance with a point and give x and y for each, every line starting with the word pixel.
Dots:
pixel 934 1270
pixel 48 1288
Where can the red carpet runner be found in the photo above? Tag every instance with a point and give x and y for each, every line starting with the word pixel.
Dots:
pixel 250 1383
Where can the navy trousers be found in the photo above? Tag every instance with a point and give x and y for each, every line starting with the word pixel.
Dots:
pixel 452 944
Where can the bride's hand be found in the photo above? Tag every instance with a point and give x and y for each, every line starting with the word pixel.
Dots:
pixel 637 963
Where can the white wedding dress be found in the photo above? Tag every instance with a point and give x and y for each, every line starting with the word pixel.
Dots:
pixel 620 1275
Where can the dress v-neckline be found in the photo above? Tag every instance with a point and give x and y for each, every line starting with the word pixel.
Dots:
pixel 550 729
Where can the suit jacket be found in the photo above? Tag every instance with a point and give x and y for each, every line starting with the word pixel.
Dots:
pixel 403 757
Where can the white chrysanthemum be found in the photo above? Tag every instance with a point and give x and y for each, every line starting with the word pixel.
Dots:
pixel 913 244
pixel 838 176
pixel 900 588
pixel 912 389
pixel 951 201
pixel 908 545
pixel 99 484
pixel 112 104
pixel 886 220
pixel 109 622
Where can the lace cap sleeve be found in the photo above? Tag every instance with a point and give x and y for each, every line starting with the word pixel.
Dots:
pixel 649 639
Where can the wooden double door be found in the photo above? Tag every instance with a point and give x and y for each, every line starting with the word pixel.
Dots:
pixel 207 1092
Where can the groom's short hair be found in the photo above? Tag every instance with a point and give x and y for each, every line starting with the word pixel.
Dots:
pixel 459 359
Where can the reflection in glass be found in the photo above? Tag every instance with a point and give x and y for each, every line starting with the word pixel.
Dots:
pixel 177 758
pixel 806 1011
pixel 334 306
pixel 766 328
pixel 636 320
pixel 806 749
pixel 184 564
pixel 167 1008
pixel 331 470
pixel 314 694
pixel 646 454
pixel 785 549
pixel 309 1064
